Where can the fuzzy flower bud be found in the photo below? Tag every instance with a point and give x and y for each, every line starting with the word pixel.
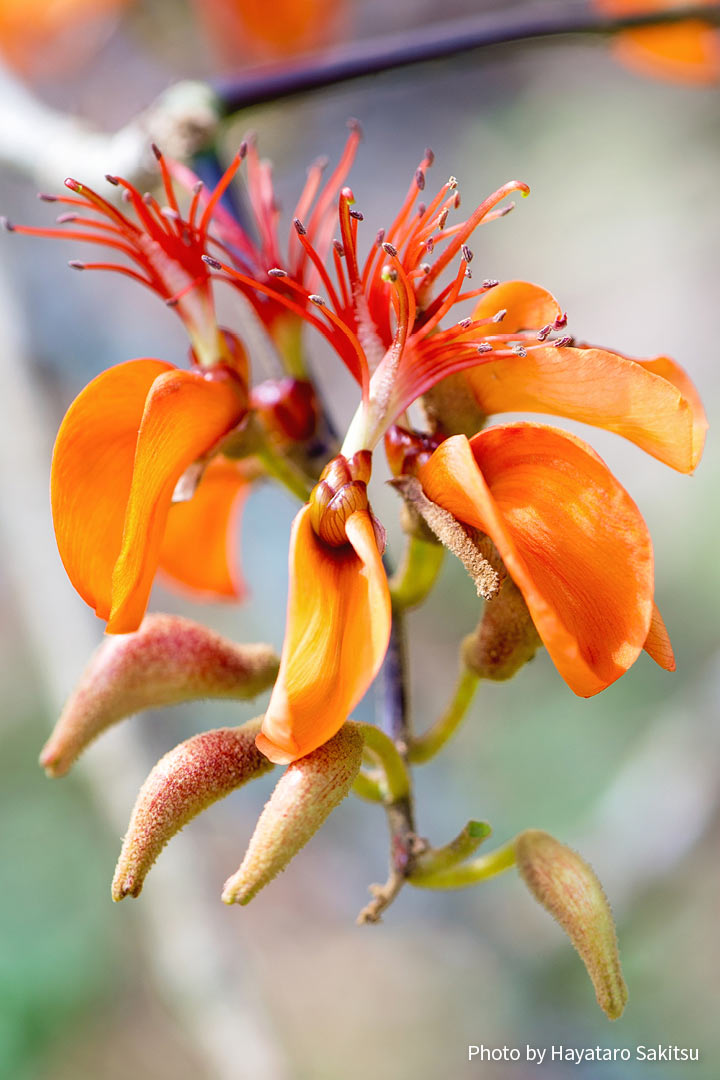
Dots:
pixel 184 782
pixel 305 795
pixel 505 638
pixel 167 661
pixel 568 888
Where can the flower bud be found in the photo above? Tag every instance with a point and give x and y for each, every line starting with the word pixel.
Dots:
pixel 407 450
pixel 505 638
pixel 568 888
pixel 305 794
pixel 167 661
pixel 185 781
pixel 287 408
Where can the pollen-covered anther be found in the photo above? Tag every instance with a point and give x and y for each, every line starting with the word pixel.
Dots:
pixel 341 492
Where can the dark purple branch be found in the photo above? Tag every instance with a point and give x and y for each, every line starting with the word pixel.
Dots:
pixel 435 42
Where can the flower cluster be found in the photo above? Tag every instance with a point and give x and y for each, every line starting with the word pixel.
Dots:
pixel 153 461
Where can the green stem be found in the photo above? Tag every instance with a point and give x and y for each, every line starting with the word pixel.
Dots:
pixel 395 783
pixel 435 860
pixel 411 583
pixel 426 746
pixel 460 877
pixel 285 472
pixel 365 787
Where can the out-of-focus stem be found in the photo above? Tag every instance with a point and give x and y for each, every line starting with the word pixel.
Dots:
pixel 471 873
pixel 425 747
pixel 436 860
pixel 410 585
pixel 395 782
pixel 436 42
pixel 285 472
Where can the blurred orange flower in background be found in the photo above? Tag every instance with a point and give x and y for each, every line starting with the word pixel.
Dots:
pixel 47 37
pixel 686 52
pixel 251 28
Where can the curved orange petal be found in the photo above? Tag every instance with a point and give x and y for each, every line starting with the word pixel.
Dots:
pixel 657 643
pixel 652 403
pixel 92 472
pixel 338 627
pixel 668 369
pixel 526 306
pixel 185 416
pixel 199 548
pixel 571 537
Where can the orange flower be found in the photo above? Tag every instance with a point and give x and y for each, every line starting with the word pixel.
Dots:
pixel 123 445
pixel 338 620
pixel 141 427
pixel 254 253
pixel 570 537
pixel 686 52
pixel 380 317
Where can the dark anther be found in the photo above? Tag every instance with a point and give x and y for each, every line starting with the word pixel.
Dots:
pixel 212 262
pixel 299 227
pixel 156 151
pixel 112 179
pixel 484 347
pixel 490 283
pixel 357 215
pixel 277 272
pixel 420 179
pixel 466 253
pixel 390 249
pixel 499 315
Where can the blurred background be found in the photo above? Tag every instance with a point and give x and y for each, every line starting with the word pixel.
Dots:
pixel 622 227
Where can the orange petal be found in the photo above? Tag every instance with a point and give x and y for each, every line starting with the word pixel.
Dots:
pixel 527 306
pixel 92 472
pixel 570 536
pixel 338 627
pixel 199 549
pixel 652 403
pixel 186 414
pixel 657 643
pixel 668 369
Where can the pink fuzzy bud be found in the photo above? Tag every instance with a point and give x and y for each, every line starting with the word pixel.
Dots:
pixel 167 661
pixel 184 782
pixel 305 795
